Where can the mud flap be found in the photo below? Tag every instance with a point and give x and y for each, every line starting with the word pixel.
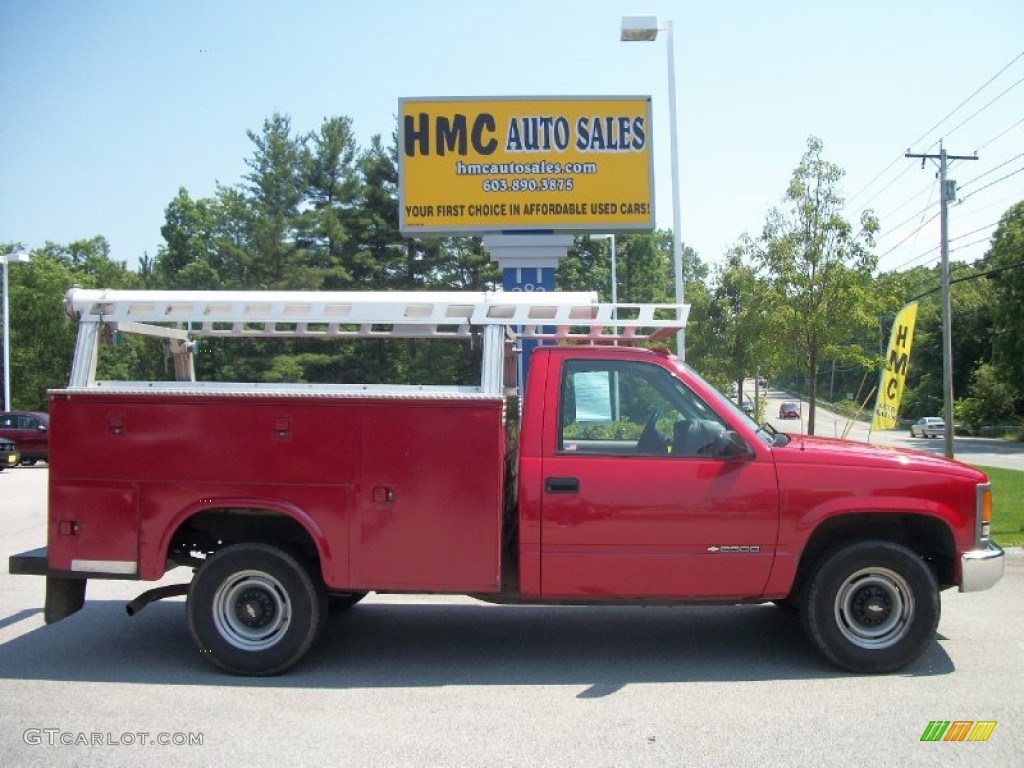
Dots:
pixel 63 597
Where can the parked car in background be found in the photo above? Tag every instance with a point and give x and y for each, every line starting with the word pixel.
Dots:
pixel 748 407
pixel 31 431
pixel 9 456
pixel 929 426
pixel 789 410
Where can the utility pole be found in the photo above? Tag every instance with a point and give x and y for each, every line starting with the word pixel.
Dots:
pixel 947 192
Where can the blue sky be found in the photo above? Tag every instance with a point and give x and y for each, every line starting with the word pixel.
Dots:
pixel 108 107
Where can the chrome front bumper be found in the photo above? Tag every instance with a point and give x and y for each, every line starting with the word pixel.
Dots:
pixel 980 569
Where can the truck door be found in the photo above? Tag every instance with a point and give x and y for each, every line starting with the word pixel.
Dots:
pixel 634 502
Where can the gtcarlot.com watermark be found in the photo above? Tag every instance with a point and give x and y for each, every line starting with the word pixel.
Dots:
pixel 58 737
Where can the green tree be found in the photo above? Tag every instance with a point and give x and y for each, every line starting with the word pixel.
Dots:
pixel 992 400
pixel 41 338
pixel 587 267
pixel 818 269
pixel 466 266
pixel 274 189
pixel 644 270
pixel 332 192
pixel 375 260
pixel 188 258
pixel 737 320
pixel 1005 263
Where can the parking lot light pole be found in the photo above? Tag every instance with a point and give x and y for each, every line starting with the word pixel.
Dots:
pixel 615 282
pixel 8 257
pixel 615 288
pixel 645 29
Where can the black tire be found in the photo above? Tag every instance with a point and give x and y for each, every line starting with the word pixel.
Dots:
pixel 285 609
pixel 872 606
pixel 339 602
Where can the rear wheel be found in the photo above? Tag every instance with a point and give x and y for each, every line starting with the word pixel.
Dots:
pixel 872 606
pixel 254 609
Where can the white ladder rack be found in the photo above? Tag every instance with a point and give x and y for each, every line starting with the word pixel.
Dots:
pixel 181 316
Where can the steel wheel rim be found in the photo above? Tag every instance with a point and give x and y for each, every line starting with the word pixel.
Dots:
pixel 874 608
pixel 252 610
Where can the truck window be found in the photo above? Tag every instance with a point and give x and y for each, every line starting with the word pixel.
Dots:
pixel 632 408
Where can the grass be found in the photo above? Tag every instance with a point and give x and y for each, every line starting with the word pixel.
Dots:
pixel 1007 506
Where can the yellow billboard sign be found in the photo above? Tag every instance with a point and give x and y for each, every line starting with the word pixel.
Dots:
pixel 515 164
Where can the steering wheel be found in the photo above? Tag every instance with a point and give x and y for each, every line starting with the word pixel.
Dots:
pixel 651 440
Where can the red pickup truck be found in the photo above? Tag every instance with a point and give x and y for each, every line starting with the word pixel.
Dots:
pixel 620 476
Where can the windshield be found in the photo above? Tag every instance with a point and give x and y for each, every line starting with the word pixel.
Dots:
pixel 769 436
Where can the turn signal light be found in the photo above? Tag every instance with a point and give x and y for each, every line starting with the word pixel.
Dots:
pixel 986 512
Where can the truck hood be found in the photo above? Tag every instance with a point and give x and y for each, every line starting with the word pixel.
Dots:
pixel 823 451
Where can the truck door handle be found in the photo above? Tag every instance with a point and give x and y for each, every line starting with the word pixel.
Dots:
pixel 562 484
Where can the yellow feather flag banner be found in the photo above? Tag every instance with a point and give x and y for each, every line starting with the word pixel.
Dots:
pixel 894 375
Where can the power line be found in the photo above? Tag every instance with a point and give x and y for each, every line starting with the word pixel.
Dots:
pixel 926 133
pixel 990 184
pixel 973 231
pixel 926 188
pixel 978 112
pixel 964 102
pixel 921 213
pixel 976 276
pixel 968 245
pixel 930 251
pixel 907 263
pixel 901 242
pixel 990 170
pixel 999 135
pixel 896 178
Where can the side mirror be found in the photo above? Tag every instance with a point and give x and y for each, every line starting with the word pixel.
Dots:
pixel 729 445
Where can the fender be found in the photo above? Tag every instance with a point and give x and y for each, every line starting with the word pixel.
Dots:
pixel 153 558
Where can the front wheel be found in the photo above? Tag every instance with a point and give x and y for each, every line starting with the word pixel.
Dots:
pixel 872 606
pixel 254 609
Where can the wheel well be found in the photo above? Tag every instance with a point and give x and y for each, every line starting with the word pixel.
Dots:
pixel 204 533
pixel 927 536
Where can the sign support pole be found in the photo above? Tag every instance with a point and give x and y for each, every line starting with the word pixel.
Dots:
pixel 528 262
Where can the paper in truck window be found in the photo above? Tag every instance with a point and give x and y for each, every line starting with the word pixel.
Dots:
pixel 593 396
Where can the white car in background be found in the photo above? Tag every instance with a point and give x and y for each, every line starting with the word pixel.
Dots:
pixel 929 426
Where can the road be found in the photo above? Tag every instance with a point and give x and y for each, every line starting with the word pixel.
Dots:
pixel 980 451
pixel 447 681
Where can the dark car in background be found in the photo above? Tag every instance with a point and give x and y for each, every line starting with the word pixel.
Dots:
pixel 789 410
pixel 9 456
pixel 31 431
